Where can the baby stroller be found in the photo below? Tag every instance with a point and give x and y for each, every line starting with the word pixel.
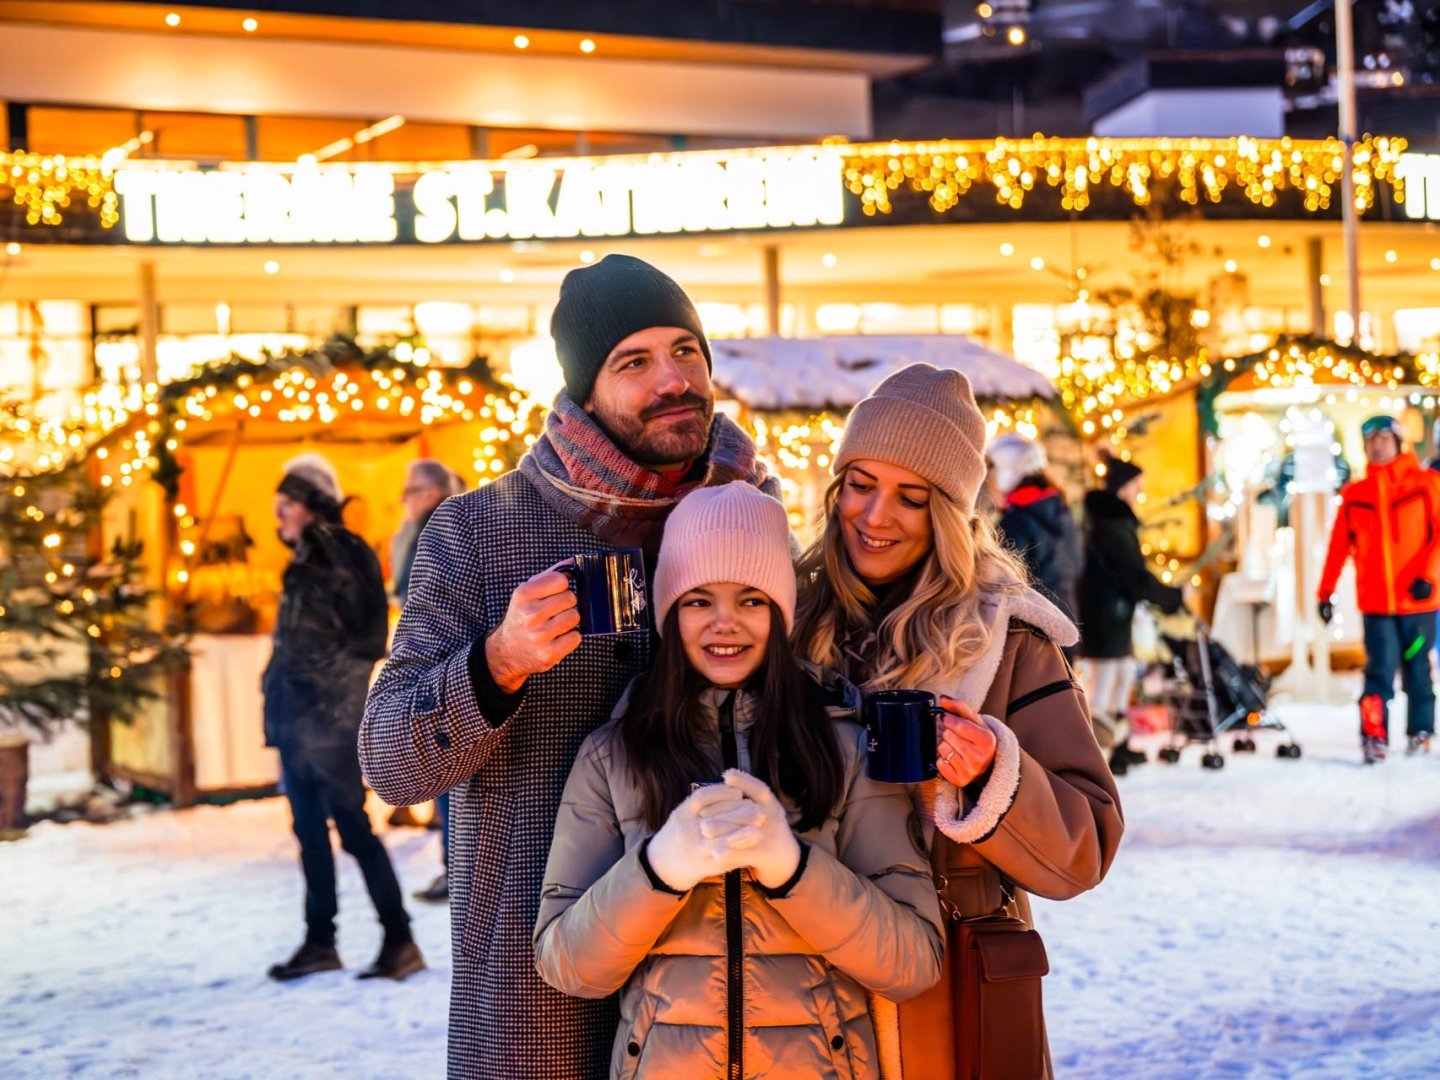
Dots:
pixel 1211 694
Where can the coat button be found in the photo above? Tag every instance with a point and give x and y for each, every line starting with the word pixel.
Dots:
pixel 633 1049
pixel 425 701
pixel 837 1042
pixel 442 740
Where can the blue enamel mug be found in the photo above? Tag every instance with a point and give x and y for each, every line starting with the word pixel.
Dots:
pixel 610 591
pixel 902 735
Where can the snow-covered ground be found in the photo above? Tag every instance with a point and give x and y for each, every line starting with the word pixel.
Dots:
pixel 1274 919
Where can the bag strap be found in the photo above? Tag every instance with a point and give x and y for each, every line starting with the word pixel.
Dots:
pixel 942 891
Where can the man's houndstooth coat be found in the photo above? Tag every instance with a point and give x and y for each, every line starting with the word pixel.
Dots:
pixel 424 734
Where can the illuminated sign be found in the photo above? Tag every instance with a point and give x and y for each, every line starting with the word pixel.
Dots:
pixel 1421 173
pixel 470 202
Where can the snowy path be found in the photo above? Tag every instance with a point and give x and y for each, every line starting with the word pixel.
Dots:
pixel 1275 919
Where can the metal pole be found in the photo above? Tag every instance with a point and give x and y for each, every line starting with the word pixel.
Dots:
pixel 1345 71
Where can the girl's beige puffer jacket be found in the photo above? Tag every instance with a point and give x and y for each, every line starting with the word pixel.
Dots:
pixel 732 980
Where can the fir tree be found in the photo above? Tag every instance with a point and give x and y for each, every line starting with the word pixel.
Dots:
pixel 77 639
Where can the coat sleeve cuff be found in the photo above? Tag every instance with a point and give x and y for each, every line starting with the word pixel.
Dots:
pixel 655 881
pixel 496 706
pixel 781 891
pixel 996 798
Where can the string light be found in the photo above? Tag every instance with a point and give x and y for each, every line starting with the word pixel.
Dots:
pixel 1197 169
pixel 44 186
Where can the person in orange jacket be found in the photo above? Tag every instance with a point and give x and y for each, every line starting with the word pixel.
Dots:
pixel 1388 521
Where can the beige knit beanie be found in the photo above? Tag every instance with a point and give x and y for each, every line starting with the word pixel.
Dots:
pixel 732 532
pixel 923 419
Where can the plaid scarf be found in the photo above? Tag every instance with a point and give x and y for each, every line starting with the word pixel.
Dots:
pixel 580 472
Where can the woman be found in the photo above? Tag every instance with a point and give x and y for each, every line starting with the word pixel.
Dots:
pixel 742 919
pixel 1035 522
pixel 1114 581
pixel 908 588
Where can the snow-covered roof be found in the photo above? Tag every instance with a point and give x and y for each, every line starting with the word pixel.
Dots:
pixel 836 372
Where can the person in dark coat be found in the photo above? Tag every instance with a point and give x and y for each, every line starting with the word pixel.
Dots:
pixel 329 632
pixel 1115 579
pixel 1035 521
pixel 428 483
pixel 490 690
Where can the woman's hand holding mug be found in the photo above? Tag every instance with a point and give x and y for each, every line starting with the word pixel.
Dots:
pixel 965 745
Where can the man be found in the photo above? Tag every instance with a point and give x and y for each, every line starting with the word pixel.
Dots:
pixel 329 632
pixel 490 690
pixel 1388 522
pixel 428 483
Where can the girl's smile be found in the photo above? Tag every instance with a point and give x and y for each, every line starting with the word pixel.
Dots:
pixel 725 628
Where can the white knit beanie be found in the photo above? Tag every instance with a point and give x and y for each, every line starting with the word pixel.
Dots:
pixel 1014 457
pixel 318 472
pixel 733 532
pixel 924 419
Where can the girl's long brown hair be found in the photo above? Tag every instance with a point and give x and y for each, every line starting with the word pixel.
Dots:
pixel 792 741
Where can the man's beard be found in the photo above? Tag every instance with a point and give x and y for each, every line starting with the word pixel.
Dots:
pixel 675 444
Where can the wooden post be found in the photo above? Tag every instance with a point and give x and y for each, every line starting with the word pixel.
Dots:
pixel 149 325
pixel 771 253
pixel 1314 268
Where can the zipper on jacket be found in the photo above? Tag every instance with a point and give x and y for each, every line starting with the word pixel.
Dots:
pixel 1382 498
pixel 734 945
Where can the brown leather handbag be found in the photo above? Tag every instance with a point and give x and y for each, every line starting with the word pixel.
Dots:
pixel 1000 1021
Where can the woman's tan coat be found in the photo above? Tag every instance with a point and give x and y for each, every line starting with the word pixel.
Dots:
pixel 1047 821
pixel 863 915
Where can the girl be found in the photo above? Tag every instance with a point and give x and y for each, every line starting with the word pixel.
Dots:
pixel 742 916
pixel 907 587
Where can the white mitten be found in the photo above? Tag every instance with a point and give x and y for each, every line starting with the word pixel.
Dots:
pixel 768 845
pixel 679 853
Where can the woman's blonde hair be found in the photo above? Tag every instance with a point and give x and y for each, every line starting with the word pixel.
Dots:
pixel 935 631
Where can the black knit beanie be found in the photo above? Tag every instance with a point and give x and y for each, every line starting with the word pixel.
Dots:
pixel 601 305
pixel 1119 473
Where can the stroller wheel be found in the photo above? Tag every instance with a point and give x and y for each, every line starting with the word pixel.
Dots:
pixel 1288 750
pixel 1169 755
pixel 1243 746
pixel 1212 761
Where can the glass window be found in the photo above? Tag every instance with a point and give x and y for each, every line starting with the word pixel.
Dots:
pixel 195 135
pixel 515 141
pixel 420 142
pixel 610 142
pixel 285 138
pixel 78 132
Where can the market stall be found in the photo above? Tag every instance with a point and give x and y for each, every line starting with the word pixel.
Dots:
pixel 193 474
pixel 793 395
pixel 1284 424
pixel 1243 457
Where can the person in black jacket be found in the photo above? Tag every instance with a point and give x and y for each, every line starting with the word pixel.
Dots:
pixel 1035 522
pixel 1115 579
pixel 329 632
